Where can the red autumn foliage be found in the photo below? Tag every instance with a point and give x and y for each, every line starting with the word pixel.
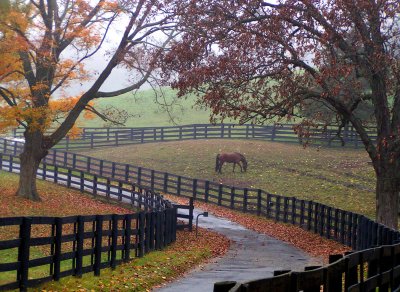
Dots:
pixel 271 60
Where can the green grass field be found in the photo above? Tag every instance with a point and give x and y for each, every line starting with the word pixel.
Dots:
pixel 145 111
pixel 337 177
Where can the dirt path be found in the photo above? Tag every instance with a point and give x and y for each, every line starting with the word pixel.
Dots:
pixel 251 256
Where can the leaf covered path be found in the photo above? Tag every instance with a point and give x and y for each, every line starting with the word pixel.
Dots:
pixel 252 255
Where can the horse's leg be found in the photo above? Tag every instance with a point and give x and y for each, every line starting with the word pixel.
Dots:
pixel 241 169
pixel 220 166
pixel 234 164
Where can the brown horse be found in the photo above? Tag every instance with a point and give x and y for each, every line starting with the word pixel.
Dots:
pixel 235 158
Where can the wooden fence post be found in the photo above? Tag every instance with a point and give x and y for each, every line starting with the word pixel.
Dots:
pixel 79 246
pixel 207 190
pixel 98 243
pixel 165 188
pixel 179 186
pixel 57 249
pixel 220 186
pixel 114 241
pixel 23 253
pixel 245 198
pixel 232 205
pixel 141 234
pixel 259 193
pixel 194 193
pixel 191 207
pixel 127 237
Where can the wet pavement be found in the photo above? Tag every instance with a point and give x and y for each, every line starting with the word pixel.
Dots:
pixel 251 256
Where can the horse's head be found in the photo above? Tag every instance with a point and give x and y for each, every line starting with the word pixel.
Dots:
pixel 244 162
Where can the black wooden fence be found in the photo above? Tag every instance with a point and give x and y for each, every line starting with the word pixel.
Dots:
pixel 80 244
pixel 362 271
pixel 91 242
pixel 346 227
pixel 100 137
pixel 375 265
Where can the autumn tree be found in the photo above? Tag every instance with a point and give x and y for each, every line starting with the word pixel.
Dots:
pixel 260 60
pixel 44 47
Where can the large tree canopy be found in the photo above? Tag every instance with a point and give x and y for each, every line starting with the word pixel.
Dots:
pixel 261 60
pixel 45 45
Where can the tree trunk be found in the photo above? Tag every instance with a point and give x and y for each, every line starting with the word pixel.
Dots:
pixel 30 159
pixel 387 200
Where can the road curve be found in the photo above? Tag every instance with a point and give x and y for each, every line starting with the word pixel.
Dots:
pixel 251 256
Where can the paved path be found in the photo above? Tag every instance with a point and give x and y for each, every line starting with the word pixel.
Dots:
pixel 251 256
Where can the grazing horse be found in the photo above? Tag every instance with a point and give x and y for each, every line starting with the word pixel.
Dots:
pixel 234 158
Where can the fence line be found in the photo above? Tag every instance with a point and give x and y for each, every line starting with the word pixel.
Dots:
pixel 343 226
pixel 81 244
pixel 100 137
pixel 365 270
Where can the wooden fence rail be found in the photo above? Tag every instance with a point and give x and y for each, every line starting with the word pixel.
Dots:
pixel 100 137
pixel 349 228
pixel 364 270
pixel 346 227
pixel 80 244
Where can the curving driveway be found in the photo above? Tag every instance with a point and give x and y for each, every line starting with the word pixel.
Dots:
pixel 251 256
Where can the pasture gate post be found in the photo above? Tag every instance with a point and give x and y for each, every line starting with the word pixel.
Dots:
pixel 220 186
pixel 245 198
pixel 191 207
pixel 23 252
pixel 259 192
pixel 194 188
pixel 98 243
pixel 79 246
pixel 127 237
pixel 232 198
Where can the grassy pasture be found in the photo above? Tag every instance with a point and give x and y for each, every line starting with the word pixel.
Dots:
pixel 145 111
pixel 337 177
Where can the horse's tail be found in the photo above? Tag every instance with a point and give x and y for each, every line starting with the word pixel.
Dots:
pixel 217 162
